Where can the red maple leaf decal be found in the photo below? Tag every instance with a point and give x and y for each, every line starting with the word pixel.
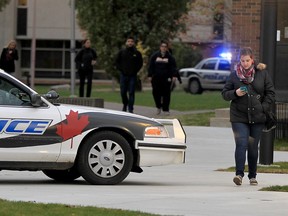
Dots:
pixel 73 127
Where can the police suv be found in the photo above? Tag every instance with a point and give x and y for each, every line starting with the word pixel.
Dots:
pixel 68 141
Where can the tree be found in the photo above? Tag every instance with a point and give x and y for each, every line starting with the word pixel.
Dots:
pixel 109 22
pixel 3 3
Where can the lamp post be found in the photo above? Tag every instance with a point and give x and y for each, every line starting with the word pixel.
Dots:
pixel 268 48
pixel 72 49
pixel 33 47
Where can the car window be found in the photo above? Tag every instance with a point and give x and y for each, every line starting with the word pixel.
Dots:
pixel 224 65
pixel 209 65
pixel 12 95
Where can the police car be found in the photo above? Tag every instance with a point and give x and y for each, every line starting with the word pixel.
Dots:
pixel 68 141
pixel 208 74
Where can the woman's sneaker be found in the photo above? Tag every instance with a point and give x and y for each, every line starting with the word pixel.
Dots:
pixel 237 180
pixel 253 181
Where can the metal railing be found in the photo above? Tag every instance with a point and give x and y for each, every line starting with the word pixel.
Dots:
pixel 83 101
pixel 281 131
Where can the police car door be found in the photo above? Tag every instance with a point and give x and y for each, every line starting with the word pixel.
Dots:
pixel 209 73
pixel 26 132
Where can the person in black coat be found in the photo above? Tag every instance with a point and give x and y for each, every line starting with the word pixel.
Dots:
pixel 8 57
pixel 85 60
pixel 252 94
pixel 162 73
pixel 128 61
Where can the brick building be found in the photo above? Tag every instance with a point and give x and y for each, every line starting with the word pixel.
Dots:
pixel 246 25
pixel 263 25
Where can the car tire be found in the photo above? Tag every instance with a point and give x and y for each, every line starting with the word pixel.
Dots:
pixel 106 158
pixel 195 87
pixel 68 175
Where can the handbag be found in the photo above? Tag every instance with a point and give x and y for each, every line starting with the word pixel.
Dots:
pixel 271 121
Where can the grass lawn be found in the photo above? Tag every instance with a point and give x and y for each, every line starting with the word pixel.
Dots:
pixel 277 167
pixel 276 188
pixel 13 208
pixel 180 100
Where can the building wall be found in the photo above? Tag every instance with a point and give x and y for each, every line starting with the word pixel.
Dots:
pixel 53 20
pixel 246 23
pixel 8 23
pixel 202 27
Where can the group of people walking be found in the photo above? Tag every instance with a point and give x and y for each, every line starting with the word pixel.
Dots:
pixel 162 72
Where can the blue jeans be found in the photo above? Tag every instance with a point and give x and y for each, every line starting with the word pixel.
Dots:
pixel 247 137
pixel 127 85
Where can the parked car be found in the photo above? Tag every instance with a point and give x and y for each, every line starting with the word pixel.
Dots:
pixel 68 141
pixel 208 74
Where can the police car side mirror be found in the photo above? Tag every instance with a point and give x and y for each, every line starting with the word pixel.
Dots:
pixel 51 95
pixel 36 100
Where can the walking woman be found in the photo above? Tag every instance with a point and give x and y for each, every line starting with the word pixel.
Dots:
pixel 251 93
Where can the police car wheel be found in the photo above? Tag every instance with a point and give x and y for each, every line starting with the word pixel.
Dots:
pixel 62 175
pixel 105 158
pixel 195 87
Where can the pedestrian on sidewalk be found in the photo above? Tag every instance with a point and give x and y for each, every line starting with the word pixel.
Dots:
pixel 85 60
pixel 8 57
pixel 129 61
pixel 162 73
pixel 251 92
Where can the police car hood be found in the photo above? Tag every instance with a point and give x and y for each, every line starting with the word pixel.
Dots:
pixel 65 109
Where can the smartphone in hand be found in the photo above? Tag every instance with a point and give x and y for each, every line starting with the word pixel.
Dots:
pixel 244 88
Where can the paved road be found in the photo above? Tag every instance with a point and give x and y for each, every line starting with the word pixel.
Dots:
pixel 190 189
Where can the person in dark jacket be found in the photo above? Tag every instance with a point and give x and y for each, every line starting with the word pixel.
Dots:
pixel 251 92
pixel 8 57
pixel 162 73
pixel 85 60
pixel 128 61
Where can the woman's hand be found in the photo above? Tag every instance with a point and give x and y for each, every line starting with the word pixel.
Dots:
pixel 240 92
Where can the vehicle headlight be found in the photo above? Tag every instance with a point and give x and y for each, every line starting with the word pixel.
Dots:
pixel 156 131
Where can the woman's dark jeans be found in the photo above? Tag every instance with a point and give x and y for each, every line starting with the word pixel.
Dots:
pixel 247 137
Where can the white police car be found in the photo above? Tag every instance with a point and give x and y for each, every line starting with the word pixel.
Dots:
pixel 68 141
pixel 208 74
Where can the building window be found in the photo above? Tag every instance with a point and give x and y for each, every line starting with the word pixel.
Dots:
pixel 52 58
pixel 21 21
